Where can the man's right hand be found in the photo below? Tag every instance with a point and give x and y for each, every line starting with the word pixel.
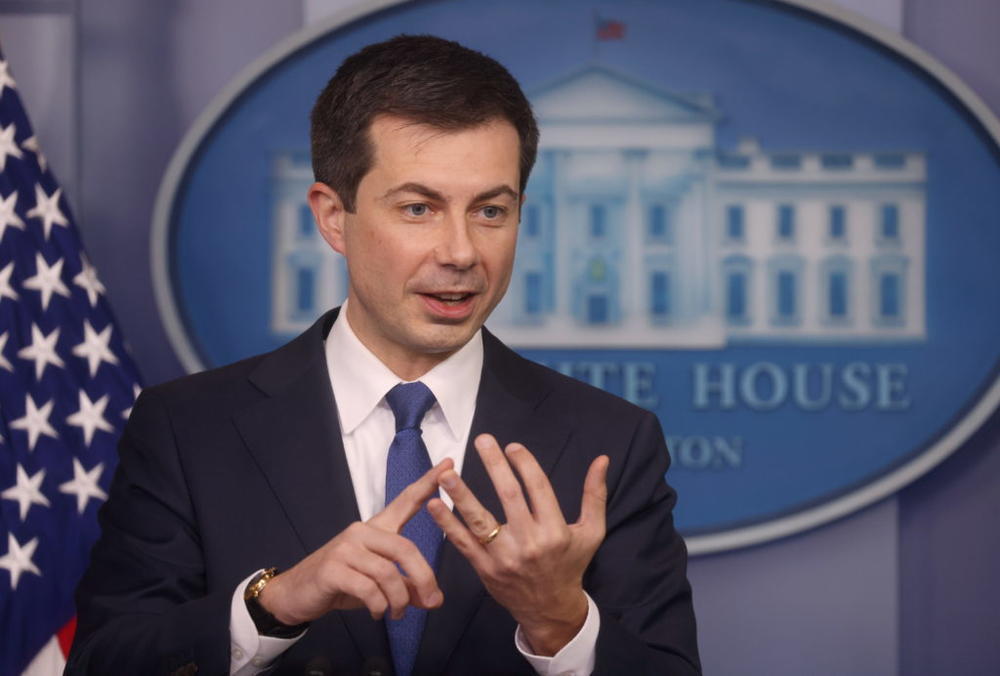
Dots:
pixel 358 568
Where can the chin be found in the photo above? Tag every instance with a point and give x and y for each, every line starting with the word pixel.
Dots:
pixel 443 339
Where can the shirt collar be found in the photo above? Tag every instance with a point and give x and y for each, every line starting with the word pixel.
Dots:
pixel 360 380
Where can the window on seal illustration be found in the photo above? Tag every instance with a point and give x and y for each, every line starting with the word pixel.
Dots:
pixel 306 226
pixel 597 304
pixel 836 161
pixel 889 292
pixel 786 223
pixel 888 230
pixel 786 161
pixel 736 282
pixel 835 287
pixel 598 220
pixel 305 289
pixel 889 287
pixel 660 306
pixel 837 225
pixel 735 226
pixel 659 224
pixel 597 309
pixel 837 294
pixel 533 293
pixel 301 279
pixel 889 161
pixel 531 224
pixel 302 286
pixel 785 290
pixel 787 295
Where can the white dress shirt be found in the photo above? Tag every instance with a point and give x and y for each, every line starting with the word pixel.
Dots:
pixel 360 382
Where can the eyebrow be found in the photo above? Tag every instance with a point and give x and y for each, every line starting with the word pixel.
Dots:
pixel 432 194
pixel 418 188
pixel 497 192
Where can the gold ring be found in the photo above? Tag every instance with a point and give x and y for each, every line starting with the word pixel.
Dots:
pixel 492 536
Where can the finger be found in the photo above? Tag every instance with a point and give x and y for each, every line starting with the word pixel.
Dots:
pixel 418 600
pixel 508 488
pixel 419 574
pixel 365 590
pixel 460 536
pixel 477 518
pixel 386 575
pixel 593 506
pixel 409 502
pixel 544 504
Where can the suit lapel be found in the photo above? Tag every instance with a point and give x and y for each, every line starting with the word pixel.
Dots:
pixel 294 436
pixel 509 395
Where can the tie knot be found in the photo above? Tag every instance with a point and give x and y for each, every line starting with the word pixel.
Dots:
pixel 409 402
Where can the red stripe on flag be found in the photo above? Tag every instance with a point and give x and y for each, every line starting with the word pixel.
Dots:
pixel 610 30
pixel 65 636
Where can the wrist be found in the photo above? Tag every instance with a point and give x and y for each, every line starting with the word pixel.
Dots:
pixel 549 633
pixel 261 598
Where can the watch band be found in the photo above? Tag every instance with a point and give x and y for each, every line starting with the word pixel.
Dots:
pixel 266 623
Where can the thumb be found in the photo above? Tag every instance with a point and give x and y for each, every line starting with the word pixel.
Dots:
pixel 595 497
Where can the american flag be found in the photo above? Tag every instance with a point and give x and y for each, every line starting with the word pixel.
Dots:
pixel 66 387
pixel 609 29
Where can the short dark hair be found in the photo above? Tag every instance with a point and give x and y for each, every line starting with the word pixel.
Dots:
pixel 422 78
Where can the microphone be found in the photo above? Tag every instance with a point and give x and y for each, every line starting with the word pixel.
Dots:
pixel 318 666
pixel 376 666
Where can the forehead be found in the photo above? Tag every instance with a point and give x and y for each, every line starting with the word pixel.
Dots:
pixel 407 150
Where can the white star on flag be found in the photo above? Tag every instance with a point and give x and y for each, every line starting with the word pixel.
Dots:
pixel 136 390
pixel 26 492
pixel 17 560
pixel 47 209
pixel 4 364
pixel 47 280
pixel 8 146
pixel 94 347
pixel 84 485
pixel 31 145
pixel 42 350
pixel 45 488
pixel 87 279
pixel 6 290
pixel 5 77
pixel 90 417
pixel 35 421
pixel 8 216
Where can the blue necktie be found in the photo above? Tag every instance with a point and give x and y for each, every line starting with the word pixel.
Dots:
pixel 407 462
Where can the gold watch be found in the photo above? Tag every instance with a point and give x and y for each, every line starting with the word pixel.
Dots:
pixel 266 623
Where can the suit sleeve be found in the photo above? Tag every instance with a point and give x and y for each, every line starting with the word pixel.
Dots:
pixel 639 576
pixel 142 606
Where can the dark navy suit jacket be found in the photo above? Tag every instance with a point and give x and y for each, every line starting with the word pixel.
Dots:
pixel 242 467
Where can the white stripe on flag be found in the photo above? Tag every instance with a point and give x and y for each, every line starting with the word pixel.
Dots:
pixel 48 662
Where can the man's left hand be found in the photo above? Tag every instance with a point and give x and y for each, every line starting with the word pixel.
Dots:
pixel 533 566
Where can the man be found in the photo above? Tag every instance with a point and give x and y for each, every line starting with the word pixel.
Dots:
pixel 316 459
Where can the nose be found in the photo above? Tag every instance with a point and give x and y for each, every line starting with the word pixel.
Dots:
pixel 455 247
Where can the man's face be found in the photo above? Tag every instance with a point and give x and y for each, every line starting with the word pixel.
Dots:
pixel 430 246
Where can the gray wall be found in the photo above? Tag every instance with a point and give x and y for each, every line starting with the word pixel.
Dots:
pixel 907 586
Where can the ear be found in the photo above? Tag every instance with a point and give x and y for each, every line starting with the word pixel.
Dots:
pixel 328 210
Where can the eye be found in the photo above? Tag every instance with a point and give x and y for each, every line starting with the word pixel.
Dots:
pixel 417 210
pixel 492 213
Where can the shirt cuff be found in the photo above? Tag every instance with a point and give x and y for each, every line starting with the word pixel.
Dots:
pixel 576 658
pixel 249 652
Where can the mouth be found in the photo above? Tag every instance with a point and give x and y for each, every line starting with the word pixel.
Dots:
pixel 450 306
pixel 450 298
